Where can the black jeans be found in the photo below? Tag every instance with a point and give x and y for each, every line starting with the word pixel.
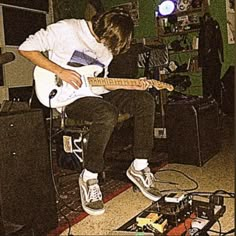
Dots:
pixel 103 113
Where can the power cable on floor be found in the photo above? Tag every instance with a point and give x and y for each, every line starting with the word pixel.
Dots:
pixel 188 177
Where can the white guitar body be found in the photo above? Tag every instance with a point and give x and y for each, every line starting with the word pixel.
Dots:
pixel 64 94
pixel 55 93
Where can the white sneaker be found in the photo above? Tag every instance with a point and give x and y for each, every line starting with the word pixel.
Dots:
pixel 91 196
pixel 144 180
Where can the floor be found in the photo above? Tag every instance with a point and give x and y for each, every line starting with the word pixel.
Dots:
pixel 217 174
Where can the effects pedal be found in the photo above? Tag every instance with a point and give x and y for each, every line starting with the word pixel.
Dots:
pixel 175 197
pixel 208 208
pixel 175 207
pixel 199 223
pixel 152 221
pixel 147 218
pixel 197 226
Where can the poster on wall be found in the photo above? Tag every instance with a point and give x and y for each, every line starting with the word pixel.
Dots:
pixel 133 8
pixel 66 9
pixel 230 16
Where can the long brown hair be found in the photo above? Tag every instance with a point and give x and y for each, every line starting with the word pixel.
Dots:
pixel 115 28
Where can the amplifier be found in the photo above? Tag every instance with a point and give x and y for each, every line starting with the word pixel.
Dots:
pixel 192 131
pixel 27 195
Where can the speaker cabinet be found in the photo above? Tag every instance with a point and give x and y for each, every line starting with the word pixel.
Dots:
pixel 17 73
pixel 26 189
pixel 192 131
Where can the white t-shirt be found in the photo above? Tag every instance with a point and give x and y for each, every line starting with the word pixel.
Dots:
pixel 68 42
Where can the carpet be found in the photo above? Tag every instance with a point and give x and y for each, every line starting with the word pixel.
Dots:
pixel 69 206
pixel 69 194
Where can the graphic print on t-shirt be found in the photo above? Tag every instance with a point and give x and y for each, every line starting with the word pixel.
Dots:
pixel 83 59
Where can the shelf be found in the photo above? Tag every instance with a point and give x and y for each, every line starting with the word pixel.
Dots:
pixel 185 25
pixel 182 13
pixel 183 51
pixel 179 33
pixel 184 72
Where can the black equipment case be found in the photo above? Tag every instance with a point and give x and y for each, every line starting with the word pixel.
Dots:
pixel 192 127
pixel 27 194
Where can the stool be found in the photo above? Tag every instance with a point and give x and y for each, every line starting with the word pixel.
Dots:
pixel 70 137
pixel 80 129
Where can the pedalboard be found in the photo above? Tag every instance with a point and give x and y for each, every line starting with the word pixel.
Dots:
pixel 177 214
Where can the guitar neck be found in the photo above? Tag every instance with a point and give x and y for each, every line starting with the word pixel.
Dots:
pixel 98 81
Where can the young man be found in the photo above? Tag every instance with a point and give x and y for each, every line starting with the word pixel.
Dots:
pixel 97 42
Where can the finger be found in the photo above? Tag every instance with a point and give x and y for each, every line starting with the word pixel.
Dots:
pixel 76 83
pixel 143 78
pixel 145 84
pixel 141 87
pixel 149 85
pixel 76 74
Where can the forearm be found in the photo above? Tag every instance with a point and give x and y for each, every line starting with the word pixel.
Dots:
pixel 39 59
pixel 69 76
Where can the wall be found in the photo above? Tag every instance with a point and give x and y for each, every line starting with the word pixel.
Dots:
pixel 146 26
pixel 65 9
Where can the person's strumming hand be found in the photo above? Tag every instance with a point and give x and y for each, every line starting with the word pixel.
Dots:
pixel 71 77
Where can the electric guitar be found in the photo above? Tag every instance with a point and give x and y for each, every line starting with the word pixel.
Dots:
pixel 55 93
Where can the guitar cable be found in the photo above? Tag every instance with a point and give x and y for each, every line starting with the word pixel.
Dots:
pixel 52 94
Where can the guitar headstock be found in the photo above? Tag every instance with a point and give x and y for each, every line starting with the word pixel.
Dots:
pixel 161 85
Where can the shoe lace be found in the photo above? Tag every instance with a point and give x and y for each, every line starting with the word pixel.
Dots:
pixel 94 193
pixel 148 177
